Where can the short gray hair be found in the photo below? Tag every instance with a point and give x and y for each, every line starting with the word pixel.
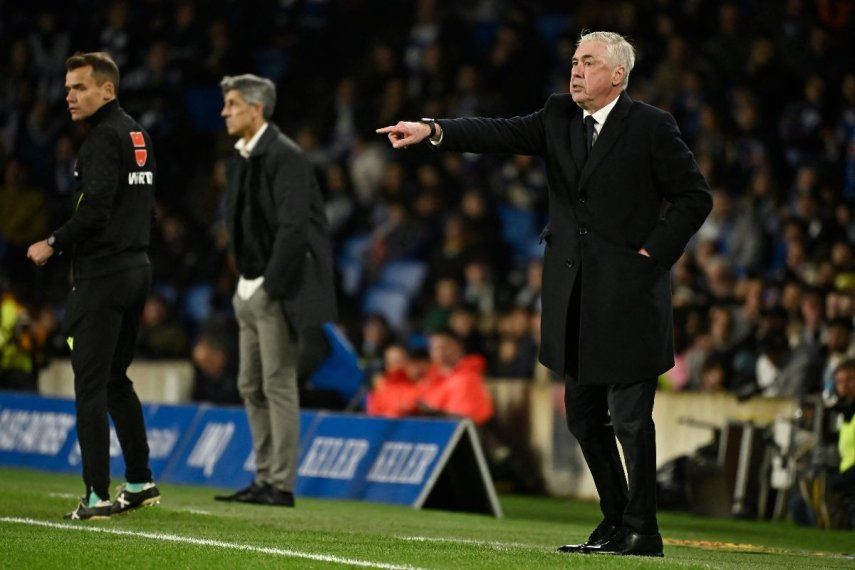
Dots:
pixel 620 52
pixel 254 89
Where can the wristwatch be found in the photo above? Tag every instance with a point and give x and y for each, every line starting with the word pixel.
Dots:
pixel 434 129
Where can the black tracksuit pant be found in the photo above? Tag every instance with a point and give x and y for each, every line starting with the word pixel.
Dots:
pixel 103 321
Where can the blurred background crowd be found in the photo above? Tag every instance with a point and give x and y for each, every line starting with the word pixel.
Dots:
pixel 763 91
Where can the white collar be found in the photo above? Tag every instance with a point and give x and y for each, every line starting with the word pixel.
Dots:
pixel 601 115
pixel 245 148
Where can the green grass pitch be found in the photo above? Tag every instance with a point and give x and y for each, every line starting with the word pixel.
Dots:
pixel 190 530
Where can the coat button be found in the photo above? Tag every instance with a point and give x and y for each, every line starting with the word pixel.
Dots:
pixel 569 263
pixel 583 230
pixel 583 198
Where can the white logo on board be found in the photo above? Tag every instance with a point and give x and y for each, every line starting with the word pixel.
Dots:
pixel 210 447
pixel 41 433
pixel 404 463
pixel 333 457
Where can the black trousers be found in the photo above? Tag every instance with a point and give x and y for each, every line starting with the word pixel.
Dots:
pixel 103 321
pixel 596 413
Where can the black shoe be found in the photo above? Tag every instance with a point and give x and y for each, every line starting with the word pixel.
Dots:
pixel 601 534
pixel 274 497
pixel 100 511
pixel 629 543
pixel 127 500
pixel 248 495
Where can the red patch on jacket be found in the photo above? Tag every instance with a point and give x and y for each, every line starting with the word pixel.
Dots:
pixel 138 140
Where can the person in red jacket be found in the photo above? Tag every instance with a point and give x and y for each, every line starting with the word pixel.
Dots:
pixel 397 393
pixel 454 385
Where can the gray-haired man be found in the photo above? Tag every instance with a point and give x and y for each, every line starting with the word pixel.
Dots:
pixel 614 166
pixel 278 234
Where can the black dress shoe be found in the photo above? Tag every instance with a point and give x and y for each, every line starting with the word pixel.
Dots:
pixel 601 534
pixel 274 497
pixel 630 543
pixel 248 495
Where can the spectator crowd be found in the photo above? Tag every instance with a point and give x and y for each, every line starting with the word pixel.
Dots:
pixel 438 249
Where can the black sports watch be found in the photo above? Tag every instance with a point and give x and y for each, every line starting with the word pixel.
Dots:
pixel 434 129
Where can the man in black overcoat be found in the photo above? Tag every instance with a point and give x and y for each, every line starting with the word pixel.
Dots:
pixel 278 233
pixel 625 196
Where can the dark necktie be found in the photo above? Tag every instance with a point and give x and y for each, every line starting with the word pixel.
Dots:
pixel 590 121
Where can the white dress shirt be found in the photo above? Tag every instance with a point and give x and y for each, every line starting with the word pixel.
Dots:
pixel 600 117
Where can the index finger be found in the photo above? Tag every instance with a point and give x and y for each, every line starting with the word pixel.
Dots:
pixel 386 129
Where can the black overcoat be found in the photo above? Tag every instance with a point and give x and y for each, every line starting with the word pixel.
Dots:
pixel 291 227
pixel 640 187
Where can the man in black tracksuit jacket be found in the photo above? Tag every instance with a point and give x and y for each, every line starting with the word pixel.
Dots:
pixel 107 237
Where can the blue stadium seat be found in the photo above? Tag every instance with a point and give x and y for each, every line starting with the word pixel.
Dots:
pixel 519 229
pixel 340 371
pixel 351 275
pixel 354 247
pixel 391 303
pixel 417 340
pixel 351 262
pixel 406 276
pixel 197 302
pixel 536 250
pixel 167 291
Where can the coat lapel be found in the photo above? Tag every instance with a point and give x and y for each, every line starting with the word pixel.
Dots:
pixel 234 176
pixel 271 134
pixel 564 123
pixel 577 138
pixel 239 165
pixel 608 136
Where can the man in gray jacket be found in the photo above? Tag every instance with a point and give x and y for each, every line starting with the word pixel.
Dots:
pixel 278 234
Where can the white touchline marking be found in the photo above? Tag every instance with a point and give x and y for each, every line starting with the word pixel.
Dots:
pixel 194 511
pixel 492 543
pixel 63 495
pixel 208 542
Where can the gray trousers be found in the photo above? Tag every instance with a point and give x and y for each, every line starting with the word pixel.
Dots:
pixel 267 380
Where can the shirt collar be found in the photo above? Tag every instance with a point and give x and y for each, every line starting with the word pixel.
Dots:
pixel 246 148
pixel 603 114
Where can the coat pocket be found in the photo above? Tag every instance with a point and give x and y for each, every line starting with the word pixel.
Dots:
pixel 645 260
